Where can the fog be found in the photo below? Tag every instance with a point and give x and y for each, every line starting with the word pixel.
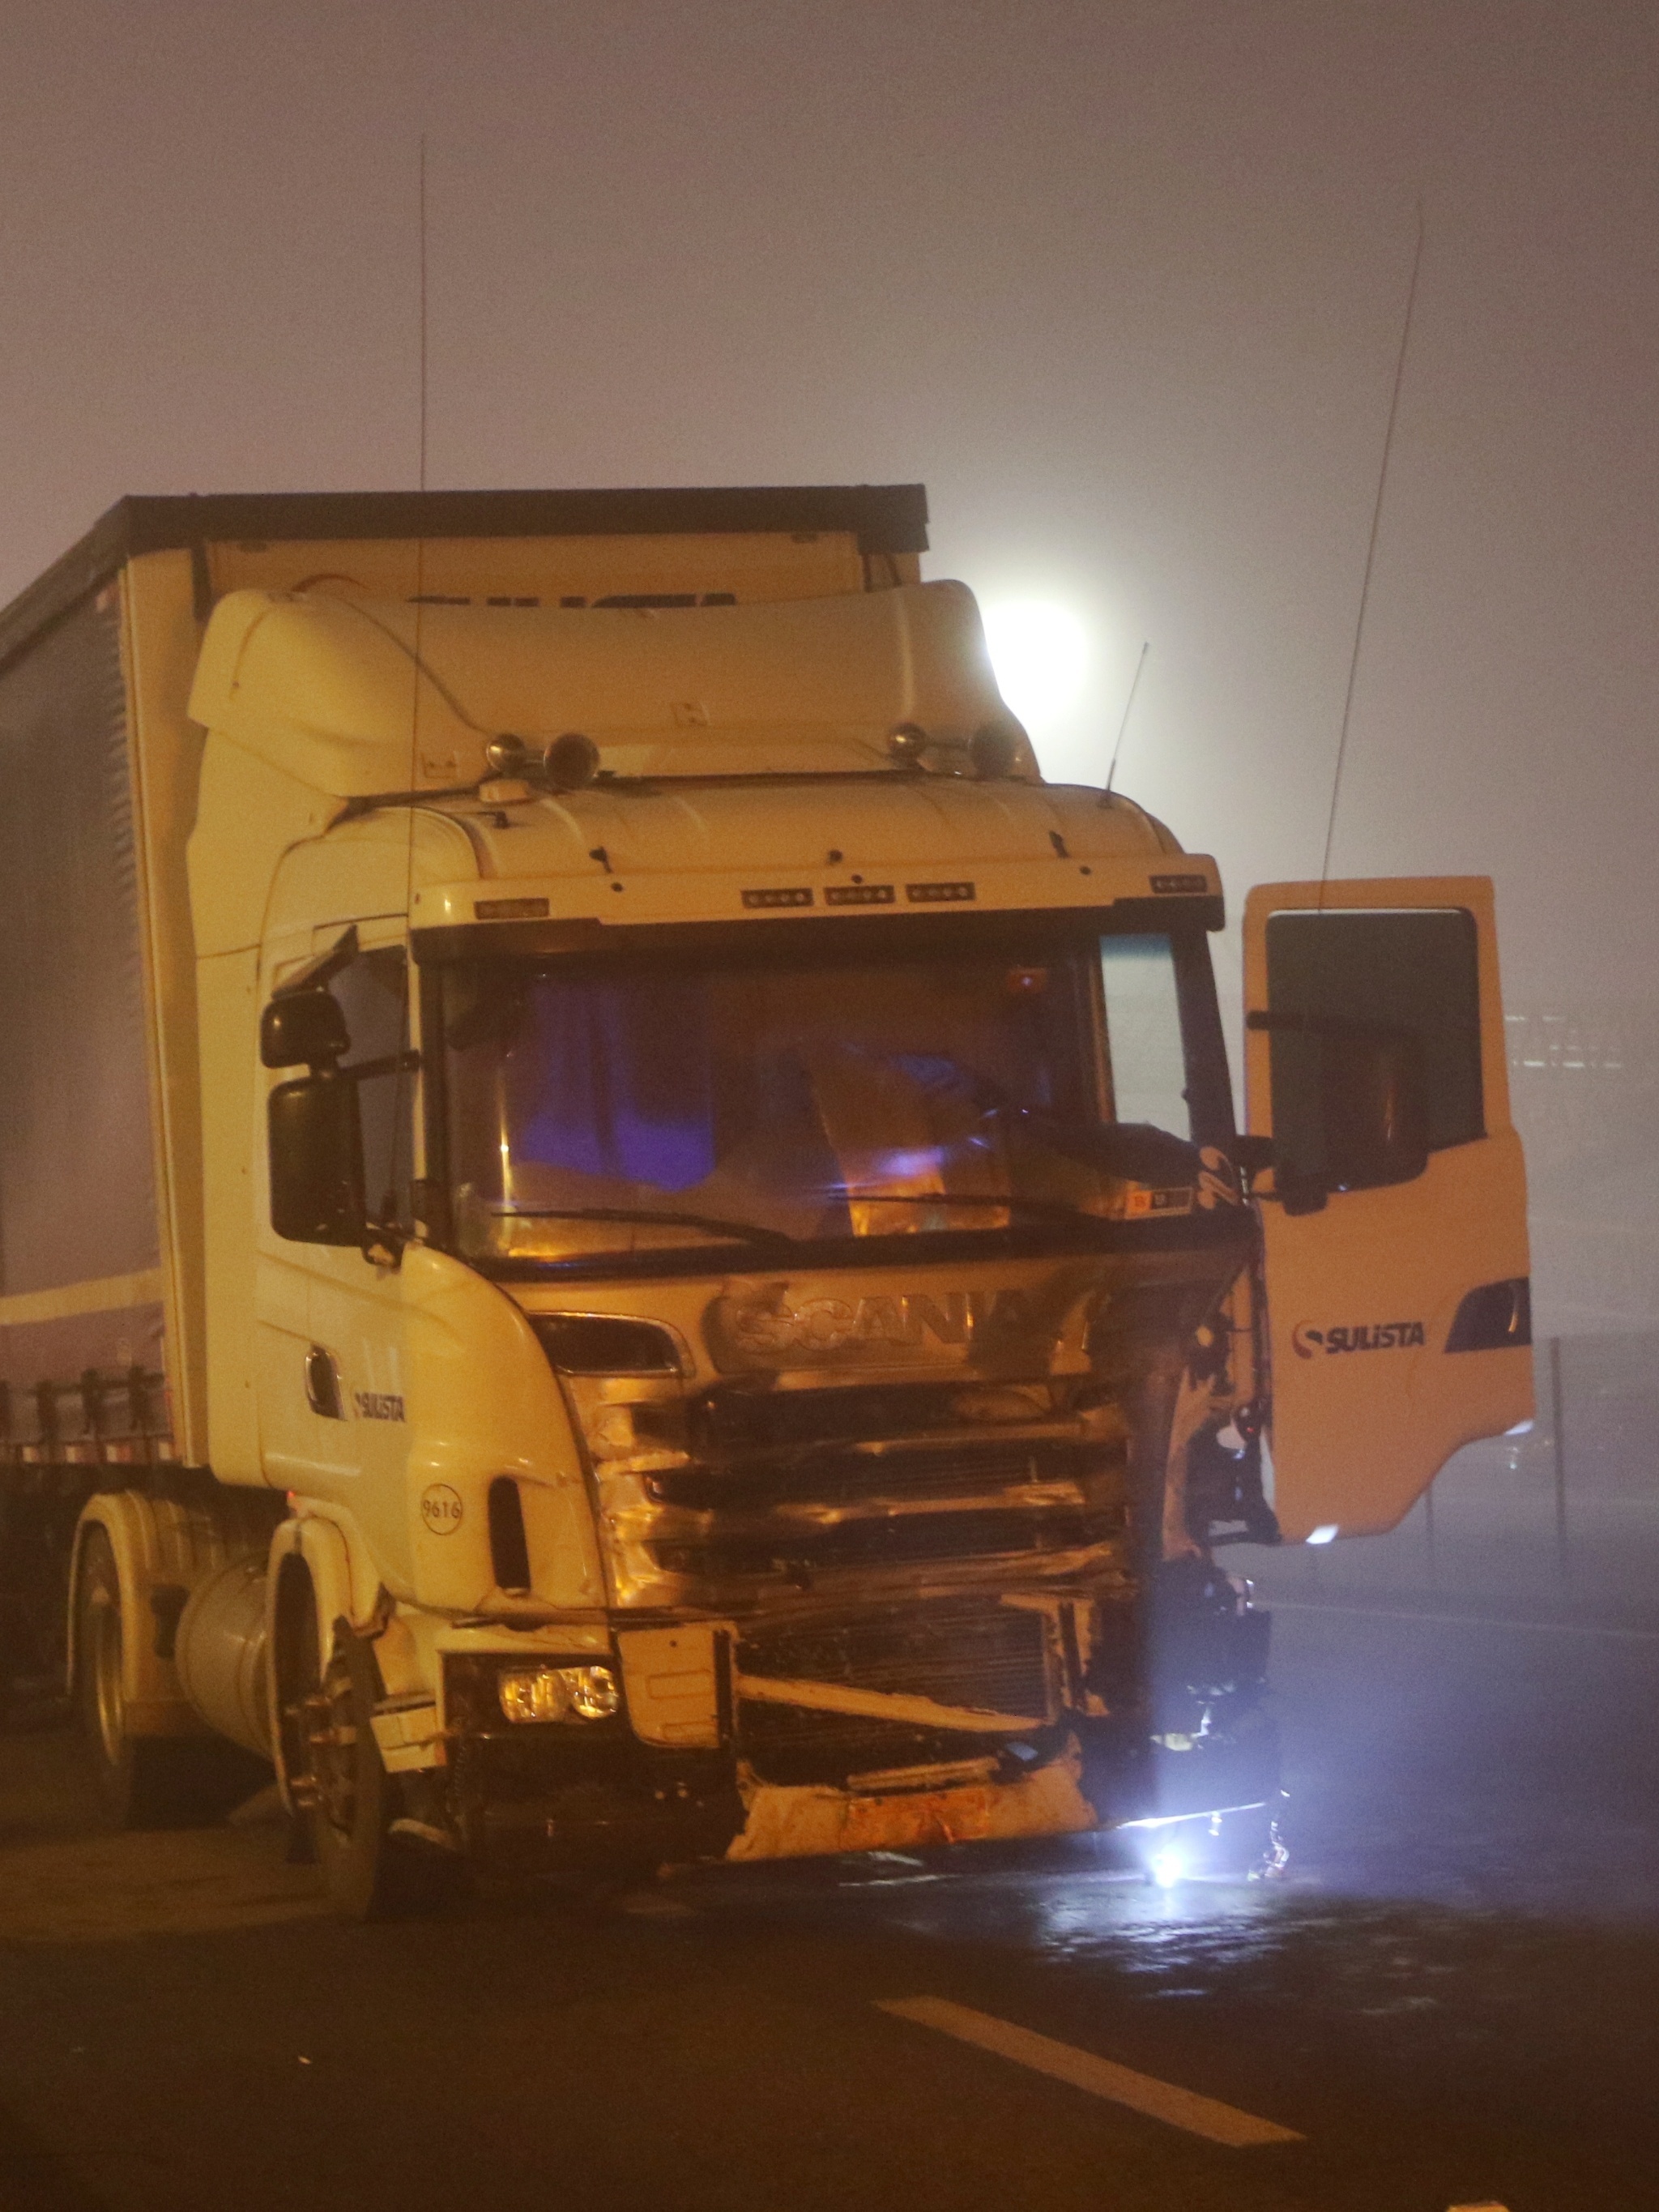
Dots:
pixel 1123 284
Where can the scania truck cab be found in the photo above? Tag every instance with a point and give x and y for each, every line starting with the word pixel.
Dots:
pixel 716 1308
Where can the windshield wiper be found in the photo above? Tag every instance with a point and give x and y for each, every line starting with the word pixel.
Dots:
pixel 734 1232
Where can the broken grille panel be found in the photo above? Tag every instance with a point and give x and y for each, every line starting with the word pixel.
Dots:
pixel 992 1658
pixel 819 1480
pixel 744 1486
pixel 790 1744
pixel 728 1422
pixel 887 1539
pixel 946 1469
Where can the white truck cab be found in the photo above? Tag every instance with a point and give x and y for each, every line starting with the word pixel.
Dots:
pixel 714 1303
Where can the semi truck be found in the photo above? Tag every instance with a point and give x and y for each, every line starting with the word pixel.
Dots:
pixel 622 1240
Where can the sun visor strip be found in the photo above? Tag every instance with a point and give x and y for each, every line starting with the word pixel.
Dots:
pixel 794 934
pixel 318 973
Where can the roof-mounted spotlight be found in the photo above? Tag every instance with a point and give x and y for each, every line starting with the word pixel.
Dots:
pixel 571 762
pixel 993 748
pixel 506 756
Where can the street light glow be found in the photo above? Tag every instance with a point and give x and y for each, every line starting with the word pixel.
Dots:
pixel 1040 653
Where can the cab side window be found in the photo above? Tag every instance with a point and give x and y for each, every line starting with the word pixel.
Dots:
pixel 373 994
pixel 1411 972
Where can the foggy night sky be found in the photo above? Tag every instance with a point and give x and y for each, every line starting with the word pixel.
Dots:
pixel 1122 282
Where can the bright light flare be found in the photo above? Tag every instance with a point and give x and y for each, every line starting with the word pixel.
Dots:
pixel 1040 653
pixel 1166 1865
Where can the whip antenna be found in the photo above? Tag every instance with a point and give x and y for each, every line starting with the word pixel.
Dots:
pixel 401 1093
pixel 1371 553
pixel 1129 709
pixel 421 197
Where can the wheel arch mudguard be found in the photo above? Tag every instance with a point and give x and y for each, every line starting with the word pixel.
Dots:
pixel 163 1549
pixel 344 1586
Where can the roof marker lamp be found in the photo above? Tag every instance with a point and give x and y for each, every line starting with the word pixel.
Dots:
pixel 506 755
pixel 570 762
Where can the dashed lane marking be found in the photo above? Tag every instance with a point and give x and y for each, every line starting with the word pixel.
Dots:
pixel 1100 2077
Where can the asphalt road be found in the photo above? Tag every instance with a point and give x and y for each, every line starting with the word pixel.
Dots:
pixel 1451 2001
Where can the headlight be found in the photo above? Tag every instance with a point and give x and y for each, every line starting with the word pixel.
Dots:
pixel 559 1693
pixel 1167 1865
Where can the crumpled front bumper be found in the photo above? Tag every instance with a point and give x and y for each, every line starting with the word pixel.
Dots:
pixel 706 1762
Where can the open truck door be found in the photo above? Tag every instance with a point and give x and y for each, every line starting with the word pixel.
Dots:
pixel 1395 1217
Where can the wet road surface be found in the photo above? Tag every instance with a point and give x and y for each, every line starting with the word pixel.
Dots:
pixel 1450 2001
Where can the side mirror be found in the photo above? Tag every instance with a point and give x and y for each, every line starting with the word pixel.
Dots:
pixel 1376 1108
pixel 306 1029
pixel 315 1127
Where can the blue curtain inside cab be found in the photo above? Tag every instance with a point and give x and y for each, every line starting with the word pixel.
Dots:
pixel 620 1079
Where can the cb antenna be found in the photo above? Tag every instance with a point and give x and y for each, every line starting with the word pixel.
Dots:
pixel 401 1095
pixel 1370 554
pixel 419 541
pixel 421 198
pixel 1129 709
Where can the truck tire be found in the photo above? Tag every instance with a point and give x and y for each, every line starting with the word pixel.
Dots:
pixel 336 1779
pixel 144 1781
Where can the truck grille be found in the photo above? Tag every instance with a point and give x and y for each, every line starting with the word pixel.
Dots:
pixel 728 1422
pixel 906 1471
pixel 821 1479
pixel 741 1487
pixel 883 1543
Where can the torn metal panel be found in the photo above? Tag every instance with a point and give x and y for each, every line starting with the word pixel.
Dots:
pixel 407 1733
pixel 671 1679
pixel 875 1704
pixel 784 1823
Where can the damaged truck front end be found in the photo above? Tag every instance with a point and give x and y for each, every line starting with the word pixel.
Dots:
pixel 906 1537
pixel 960 1598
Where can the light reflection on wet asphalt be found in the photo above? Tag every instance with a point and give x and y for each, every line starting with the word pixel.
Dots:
pixel 1475 1820
pixel 1450 1998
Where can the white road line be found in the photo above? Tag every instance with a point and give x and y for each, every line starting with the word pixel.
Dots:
pixel 1121 2085
pixel 1464 1619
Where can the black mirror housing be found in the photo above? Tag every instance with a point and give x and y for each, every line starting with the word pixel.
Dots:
pixel 1252 1155
pixel 315 1131
pixel 305 1029
pixel 1351 1107
pixel 1374 1097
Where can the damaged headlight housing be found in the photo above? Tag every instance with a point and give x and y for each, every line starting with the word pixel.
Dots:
pixel 559 1693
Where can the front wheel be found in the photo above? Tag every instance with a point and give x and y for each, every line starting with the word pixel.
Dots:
pixel 342 1794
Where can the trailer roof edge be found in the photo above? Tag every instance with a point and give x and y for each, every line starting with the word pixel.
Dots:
pixel 886 518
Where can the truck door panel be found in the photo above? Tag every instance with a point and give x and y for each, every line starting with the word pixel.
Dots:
pixel 357 1308
pixel 1398 1313
pixel 299 1444
pixel 330 1323
pixel 281 1303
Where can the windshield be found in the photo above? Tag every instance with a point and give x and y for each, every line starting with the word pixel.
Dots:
pixel 609 1107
